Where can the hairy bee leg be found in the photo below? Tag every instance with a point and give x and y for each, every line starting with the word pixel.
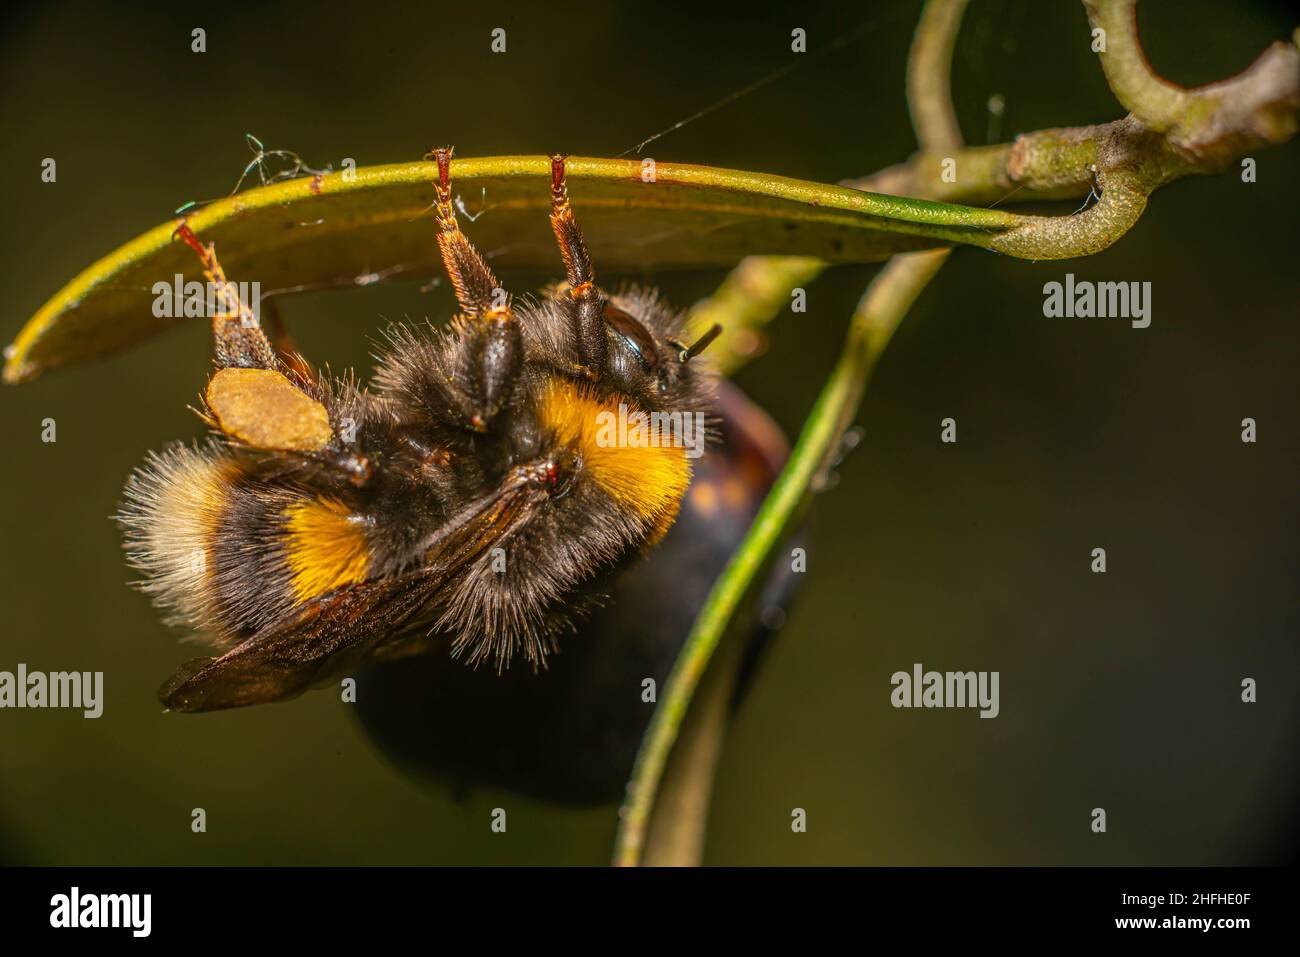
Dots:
pixel 258 397
pixel 493 348
pixel 477 289
pixel 587 308
pixel 237 337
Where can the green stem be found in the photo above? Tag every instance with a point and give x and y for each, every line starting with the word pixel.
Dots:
pixel 882 307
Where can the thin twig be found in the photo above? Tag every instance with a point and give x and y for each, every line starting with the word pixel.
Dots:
pixel 1171 133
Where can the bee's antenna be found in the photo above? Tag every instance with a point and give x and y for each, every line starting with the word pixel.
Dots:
pixel 702 343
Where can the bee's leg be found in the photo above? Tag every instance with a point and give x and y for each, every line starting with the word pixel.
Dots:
pixel 258 398
pixel 237 337
pixel 587 309
pixel 492 348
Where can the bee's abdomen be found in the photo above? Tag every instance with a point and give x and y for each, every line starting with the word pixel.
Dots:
pixel 224 554
pixel 173 506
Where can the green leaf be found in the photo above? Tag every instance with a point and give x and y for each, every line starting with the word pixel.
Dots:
pixel 376 224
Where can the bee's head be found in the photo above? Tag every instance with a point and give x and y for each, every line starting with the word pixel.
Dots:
pixel 652 365
pixel 648 354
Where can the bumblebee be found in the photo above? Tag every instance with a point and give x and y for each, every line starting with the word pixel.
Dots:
pixel 468 496
pixel 571 736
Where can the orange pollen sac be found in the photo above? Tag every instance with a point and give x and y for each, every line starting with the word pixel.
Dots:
pixel 263 409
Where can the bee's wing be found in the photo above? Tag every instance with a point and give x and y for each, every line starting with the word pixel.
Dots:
pixel 283 661
pixel 335 632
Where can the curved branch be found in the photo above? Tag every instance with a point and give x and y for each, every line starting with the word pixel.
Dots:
pixel 1211 124
pixel 1171 132
pixel 1156 102
pixel 929 72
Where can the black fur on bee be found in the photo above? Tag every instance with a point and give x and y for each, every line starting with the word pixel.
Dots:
pixel 470 493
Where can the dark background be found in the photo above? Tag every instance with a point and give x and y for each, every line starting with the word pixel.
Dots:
pixel 1119 691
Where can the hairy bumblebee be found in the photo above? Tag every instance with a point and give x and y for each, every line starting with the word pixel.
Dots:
pixel 571 736
pixel 470 494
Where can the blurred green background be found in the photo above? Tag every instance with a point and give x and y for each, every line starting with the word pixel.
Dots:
pixel 1119 691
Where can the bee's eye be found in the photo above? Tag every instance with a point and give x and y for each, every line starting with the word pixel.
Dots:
pixel 633 333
